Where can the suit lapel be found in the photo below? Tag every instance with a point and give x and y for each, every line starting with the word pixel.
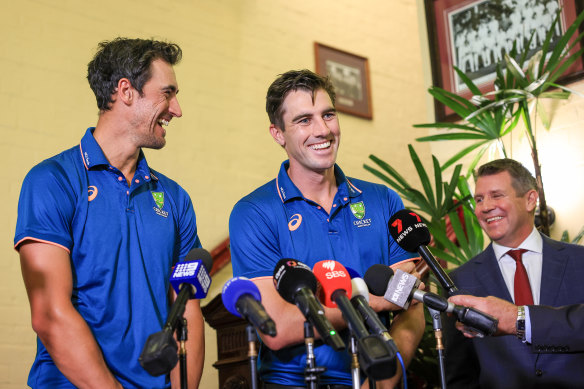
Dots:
pixel 490 276
pixel 554 261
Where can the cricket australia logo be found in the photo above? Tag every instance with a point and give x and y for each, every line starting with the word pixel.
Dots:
pixel 159 201
pixel 358 209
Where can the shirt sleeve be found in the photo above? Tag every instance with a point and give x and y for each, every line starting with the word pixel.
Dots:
pixel 254 242
pixel 188 237
pixel 46 207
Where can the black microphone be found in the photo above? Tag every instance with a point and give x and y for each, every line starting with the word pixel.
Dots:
pixel 190 279
pixel 242 298
pixel 402 288
pixel 411 233
pixel 296 284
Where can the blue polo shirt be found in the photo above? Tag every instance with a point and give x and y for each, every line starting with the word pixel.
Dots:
pixel 122 241
pixel 276 221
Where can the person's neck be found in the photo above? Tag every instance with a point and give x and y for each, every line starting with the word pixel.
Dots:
pixel 320 187
pixel 118 150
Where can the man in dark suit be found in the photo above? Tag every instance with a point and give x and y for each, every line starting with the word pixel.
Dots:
pixel 520 266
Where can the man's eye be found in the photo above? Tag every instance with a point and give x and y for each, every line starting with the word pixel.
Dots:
pixel 478 200
pixel 328 116
pixel 303 121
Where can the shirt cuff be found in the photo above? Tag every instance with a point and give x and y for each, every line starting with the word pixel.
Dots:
pixel 527 326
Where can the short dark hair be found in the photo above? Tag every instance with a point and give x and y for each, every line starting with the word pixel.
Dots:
pixel 294 80
pixel 521 179
pixel 126 58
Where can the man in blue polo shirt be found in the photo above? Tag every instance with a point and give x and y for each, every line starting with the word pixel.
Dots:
pixel 98 231
pixel 313 212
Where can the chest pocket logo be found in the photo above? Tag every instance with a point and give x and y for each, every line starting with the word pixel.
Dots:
pixel 295 222
pixel 91 193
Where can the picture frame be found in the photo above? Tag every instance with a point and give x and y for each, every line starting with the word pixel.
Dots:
pixel 473 34
pixel 349 74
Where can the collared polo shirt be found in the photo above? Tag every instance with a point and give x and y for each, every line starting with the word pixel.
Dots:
pixel 276 221
pixel 123 241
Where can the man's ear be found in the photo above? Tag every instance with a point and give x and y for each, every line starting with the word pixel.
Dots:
pixel 125 91
pixel 532 197
pixel 278 135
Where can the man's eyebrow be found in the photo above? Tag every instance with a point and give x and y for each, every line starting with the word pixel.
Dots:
pixel 301 116
pixel 310 114
pixel 171 88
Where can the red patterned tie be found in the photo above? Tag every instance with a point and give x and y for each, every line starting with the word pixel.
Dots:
pixel 523 294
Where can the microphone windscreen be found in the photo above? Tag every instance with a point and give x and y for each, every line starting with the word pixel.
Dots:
pixel 360 288
pixel 290 276
pixel 202 255
pixel 400 288
pixel 332 277
pixel 193 271
pixel 234 289
pixel 377 277
pixel 408 230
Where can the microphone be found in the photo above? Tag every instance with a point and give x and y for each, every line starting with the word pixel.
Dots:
pixel 376 358
pixel 296 284
pixel 360 301
pixel 242 298
pixel 190 279
pixel 411 233
pixel 401 289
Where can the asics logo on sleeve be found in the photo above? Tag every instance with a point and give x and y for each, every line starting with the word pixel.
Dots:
pixel 91 192
pixel 295 222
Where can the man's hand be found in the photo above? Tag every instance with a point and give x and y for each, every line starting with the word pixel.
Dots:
pixel 503 310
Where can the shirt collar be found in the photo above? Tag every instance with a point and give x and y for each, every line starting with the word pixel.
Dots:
pixel 93 156
pixel 288 191
pixel 533 242
pixel 91 153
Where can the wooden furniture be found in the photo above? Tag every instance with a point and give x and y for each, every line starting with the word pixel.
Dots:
pixel 232 348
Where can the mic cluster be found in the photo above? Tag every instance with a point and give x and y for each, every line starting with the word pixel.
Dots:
pixel 340 287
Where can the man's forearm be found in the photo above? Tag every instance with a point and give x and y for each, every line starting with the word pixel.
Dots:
pixel 75 351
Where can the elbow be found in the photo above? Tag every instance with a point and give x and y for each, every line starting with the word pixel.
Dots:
pixel 43 322
pixel 274 343
pixel 40 324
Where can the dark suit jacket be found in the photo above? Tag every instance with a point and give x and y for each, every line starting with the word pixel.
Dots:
pixel 564 332
pixel 506 362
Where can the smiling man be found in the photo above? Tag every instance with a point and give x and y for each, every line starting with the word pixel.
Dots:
pixel 313 212
pixel 520 266
pixel 98 231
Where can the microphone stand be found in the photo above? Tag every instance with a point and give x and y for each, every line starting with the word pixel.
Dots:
pixel 437 326
pixel 355 364
pixel 252 353
pixel 311 372
pixel 181 334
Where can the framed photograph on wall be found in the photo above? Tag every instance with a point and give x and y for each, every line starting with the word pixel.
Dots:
pixel 473 35
pixel 349 74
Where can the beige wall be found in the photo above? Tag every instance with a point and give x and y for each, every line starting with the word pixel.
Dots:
pixel 220 150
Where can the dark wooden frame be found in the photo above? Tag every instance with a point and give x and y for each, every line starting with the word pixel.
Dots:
pixel 443 74
pixel 351 99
